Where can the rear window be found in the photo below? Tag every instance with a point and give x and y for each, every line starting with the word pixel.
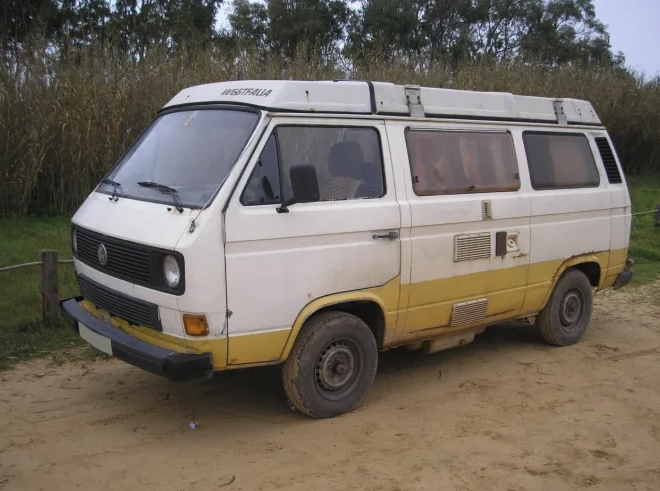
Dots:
pixel 560 160
pixel 453 162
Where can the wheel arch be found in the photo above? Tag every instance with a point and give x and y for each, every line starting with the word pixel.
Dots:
pixel 365 305
pixel 591 265
pixel 592 270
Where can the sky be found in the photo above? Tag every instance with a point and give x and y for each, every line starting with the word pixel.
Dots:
pixel 634 27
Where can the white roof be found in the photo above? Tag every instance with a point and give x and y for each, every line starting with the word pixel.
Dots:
pixel 388 99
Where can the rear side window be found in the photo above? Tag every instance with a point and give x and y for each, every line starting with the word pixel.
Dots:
pixel 560 160
pixel 453 162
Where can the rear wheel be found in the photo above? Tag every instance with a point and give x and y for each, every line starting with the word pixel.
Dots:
pixel 567 315
pixel 331 366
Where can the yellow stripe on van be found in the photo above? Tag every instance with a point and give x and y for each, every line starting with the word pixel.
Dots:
pixel 412 311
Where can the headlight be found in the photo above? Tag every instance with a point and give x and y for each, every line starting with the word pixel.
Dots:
pixel 171 271
pixel 74 241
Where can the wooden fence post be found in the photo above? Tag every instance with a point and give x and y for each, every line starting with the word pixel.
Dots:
pixel 656 224
pixel 49 295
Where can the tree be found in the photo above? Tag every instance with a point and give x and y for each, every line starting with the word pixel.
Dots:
pixel 446 26
pixel 553 32
pixel 497 27
pixel 84 23
pixel 566 31
pixel 249 22
pixel 387 27
pixel 21 18
pixel 190 21
pixel 317 23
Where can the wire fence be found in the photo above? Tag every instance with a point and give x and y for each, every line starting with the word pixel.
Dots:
pixel 656 211
pixel 31 265
pixel 50 298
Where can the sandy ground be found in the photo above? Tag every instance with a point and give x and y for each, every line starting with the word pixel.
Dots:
pixel 505 412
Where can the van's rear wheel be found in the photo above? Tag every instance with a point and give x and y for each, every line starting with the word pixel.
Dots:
pixel 566 317
pixel 331 366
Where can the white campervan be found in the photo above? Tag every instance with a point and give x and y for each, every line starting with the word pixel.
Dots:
pixel 315 224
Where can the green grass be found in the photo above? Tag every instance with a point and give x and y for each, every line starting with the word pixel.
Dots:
pixel 645 239
pixel 21 334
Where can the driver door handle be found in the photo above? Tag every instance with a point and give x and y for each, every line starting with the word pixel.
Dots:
pixel 388 236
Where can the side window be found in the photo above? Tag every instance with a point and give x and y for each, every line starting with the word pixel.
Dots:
pixel 345 168
pixel 371 168
pixel 560 160
pixel 455 162
pixel 264 185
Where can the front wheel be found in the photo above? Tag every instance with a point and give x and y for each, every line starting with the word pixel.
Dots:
pixel 331 366
pixel 566 317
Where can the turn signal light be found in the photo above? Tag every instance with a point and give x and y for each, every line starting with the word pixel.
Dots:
pixel 196 325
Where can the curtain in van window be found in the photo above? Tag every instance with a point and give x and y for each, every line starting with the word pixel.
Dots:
pixel 452 162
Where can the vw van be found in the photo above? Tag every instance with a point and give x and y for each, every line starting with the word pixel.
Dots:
pixel 316 224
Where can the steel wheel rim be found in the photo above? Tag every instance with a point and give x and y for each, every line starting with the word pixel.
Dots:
pixel 338 369
pixel 571 310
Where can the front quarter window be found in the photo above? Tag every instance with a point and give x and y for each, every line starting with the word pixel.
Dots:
pixel 190 152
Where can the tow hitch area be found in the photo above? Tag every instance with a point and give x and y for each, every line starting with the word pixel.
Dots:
pixel 624 276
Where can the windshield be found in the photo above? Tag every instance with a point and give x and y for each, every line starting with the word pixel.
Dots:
pixel 190 152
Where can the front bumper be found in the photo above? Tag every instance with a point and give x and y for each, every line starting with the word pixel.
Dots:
pixel 179 367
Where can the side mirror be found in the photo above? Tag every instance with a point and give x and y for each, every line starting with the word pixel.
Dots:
pixel 305 187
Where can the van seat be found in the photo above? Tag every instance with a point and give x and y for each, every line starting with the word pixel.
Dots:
pixel 345 168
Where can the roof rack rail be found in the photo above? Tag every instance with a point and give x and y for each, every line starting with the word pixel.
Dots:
pixel 388 99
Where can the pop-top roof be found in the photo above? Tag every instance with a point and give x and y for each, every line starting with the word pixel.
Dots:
pixel 389 99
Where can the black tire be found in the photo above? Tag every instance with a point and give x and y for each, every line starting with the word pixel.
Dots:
pixel 566 316
pixel 331 366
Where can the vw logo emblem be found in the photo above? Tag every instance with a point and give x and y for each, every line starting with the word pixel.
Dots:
pixel 102 254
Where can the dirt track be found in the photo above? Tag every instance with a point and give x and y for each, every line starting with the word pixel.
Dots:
pixel 505 412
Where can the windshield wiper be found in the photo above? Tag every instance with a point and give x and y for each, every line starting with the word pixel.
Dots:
pixel 165 190
pixel 115 186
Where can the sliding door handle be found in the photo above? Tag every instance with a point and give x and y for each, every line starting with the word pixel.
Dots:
pixel 388 236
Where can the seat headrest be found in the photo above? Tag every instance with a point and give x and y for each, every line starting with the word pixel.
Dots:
pixel 345 160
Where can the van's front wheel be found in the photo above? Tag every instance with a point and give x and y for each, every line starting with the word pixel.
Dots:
pixel 331 366
pixel 567 315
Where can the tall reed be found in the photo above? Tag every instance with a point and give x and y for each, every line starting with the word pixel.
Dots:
pixel 65 120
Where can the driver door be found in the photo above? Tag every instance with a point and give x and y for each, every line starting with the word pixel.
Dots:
pixel 277 263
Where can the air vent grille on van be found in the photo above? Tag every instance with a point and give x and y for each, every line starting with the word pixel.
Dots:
pixel 472 246
pixel 609 161
pixel 468 312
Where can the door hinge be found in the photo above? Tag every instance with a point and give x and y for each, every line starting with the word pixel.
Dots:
pixel 229 313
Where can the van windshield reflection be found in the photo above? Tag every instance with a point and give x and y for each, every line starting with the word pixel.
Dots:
pixel 191 151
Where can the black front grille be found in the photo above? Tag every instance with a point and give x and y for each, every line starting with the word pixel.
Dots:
pixel 133 311
pixel 125 260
